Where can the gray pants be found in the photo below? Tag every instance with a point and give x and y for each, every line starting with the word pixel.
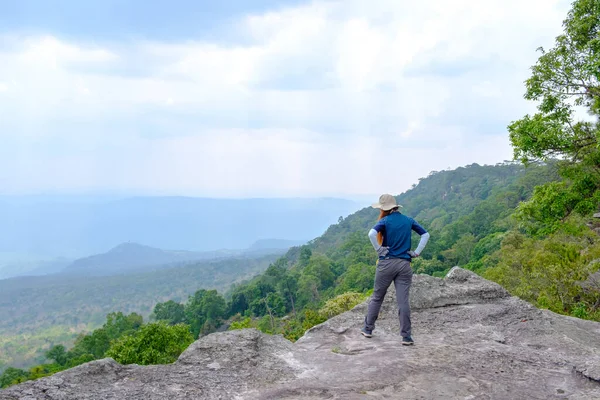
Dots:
pixel 400 272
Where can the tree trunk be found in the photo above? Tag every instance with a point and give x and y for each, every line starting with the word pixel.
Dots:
pixel 293 307
pixel 270 316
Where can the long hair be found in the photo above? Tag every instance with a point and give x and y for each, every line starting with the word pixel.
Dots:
pixel 383 214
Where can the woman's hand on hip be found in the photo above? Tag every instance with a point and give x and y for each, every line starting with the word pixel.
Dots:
pixel 383 251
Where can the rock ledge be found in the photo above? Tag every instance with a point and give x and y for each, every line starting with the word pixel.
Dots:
pixel 473 341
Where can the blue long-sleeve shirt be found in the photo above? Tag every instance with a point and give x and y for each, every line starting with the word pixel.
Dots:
pixel 396 229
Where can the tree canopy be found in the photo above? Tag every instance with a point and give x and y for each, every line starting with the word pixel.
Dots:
pixel 565 83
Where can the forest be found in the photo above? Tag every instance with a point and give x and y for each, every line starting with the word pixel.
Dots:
pixel 38 312
pixel 528 225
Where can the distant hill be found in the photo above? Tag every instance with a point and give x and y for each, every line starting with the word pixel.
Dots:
pixel 73 227
pixel 134 257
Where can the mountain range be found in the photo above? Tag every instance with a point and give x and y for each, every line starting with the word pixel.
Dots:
pixel 133 257
pixel 76 228
pixel 40 233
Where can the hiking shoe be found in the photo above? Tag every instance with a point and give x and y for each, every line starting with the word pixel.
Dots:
pixel 366 332
pixel 407 341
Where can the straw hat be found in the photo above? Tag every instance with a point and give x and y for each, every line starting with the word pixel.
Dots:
pixel 386 202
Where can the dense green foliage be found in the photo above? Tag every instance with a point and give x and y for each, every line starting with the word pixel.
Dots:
pixel 128 340
pixel 205 311
pixel 38 312
pixel 552 272
pixel 86 348
pixel 553 260
pixel 155 343
pixel 98 342
pixel 32 303
pixel 565 79
pixel 171 312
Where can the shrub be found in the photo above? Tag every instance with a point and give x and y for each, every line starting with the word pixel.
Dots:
pixel 342 303
pixel 155 343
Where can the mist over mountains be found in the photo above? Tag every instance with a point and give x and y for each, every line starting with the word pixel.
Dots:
pixel 134 257
pixel 37 230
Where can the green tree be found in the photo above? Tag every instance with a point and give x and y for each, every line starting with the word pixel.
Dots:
pixel 358 277
pixel 308 289
pixel 58 354
pixel 195 316
pixel 118 324
pixel 305 255
pixel 239 301
pixel 95 343
pixel 275 306
pixel 565 78
pixel 154 343
pixel 171 312
pixel 205 307
pixel 11 376
pixel 487 245
pixel 287 288
pixel 460 252
pixel 214 306
pixel 320 267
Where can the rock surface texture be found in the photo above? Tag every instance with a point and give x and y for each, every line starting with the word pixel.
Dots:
pixel 473 341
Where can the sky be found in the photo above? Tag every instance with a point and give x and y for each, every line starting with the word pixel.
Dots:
pixel 260 98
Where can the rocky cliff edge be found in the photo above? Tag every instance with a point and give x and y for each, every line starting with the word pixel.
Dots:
pixel 473 341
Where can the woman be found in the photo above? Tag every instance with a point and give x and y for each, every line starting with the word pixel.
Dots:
pixel 391 237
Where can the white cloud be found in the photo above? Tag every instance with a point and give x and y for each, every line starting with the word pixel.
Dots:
pixel 50 52
pixel 313 99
